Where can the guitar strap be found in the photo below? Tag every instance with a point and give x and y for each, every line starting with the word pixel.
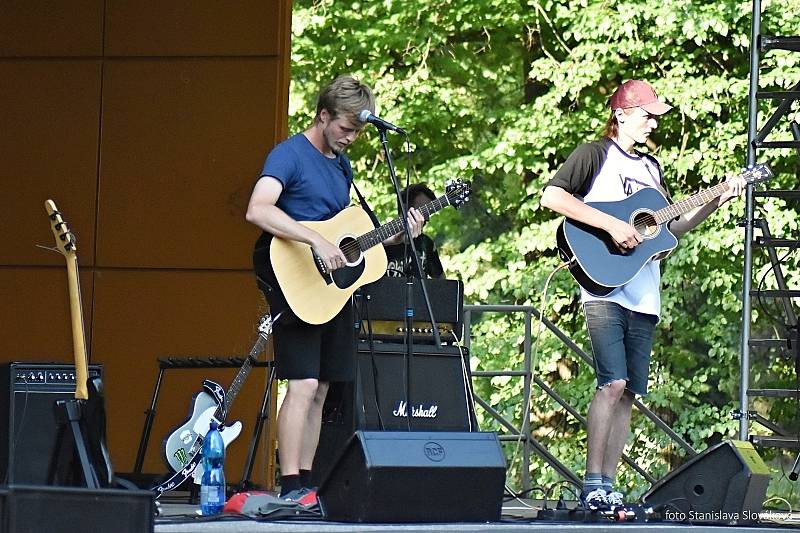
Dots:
pixel 348 172
pixel 218 393
pixel 180 476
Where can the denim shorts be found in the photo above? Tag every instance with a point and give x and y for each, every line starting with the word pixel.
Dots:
pixel 621 344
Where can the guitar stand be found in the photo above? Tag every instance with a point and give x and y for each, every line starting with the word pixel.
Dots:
pixel 206 362
pixel 263 416
pixel 62 470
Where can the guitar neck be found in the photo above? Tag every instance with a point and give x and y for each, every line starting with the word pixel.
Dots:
pixel 244 371
pixel 236 385
pixel 78 338
pixel 390 229
pixel 684 206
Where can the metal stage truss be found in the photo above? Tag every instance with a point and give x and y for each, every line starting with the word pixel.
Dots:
pixel 523 433
pixel 776 106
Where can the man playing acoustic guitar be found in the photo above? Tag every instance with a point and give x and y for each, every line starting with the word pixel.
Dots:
pixel 621 323
pixel 308 178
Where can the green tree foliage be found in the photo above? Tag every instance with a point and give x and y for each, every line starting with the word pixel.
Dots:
pixel 499 92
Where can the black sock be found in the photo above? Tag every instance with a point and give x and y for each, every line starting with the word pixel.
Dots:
pixel 305 478
pixel 289 483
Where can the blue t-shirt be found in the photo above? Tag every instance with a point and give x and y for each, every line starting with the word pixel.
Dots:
pixel 315 187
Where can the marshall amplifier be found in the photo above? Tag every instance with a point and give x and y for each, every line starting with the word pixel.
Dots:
pixel 440 399
pixel 383 304
pixel 440 389
pixel 28 392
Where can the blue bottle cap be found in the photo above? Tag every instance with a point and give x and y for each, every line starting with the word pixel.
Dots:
pixel 212 425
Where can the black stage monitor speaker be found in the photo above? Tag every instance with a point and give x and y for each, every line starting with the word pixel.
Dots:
pixel 28 392
pixel 727 483
pixel 401 476
pixel 33 509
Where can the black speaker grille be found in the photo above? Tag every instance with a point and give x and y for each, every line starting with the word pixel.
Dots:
pixel 28 392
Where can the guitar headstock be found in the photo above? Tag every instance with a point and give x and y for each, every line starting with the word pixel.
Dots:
pixel 758 173
pixel 264 331
pixel 65 240
pixel 265 325
pixel 458 192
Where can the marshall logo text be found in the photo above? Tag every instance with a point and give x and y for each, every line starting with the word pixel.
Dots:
pixel 419 411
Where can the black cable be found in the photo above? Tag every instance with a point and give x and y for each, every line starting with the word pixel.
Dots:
pixel 761 303
pixel 793 343
pixel 364 312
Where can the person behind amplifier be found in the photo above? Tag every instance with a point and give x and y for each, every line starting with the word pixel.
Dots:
pixel 418 195
pixel 621 325
pixel 308 178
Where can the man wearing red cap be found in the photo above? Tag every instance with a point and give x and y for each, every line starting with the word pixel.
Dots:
pixel 621 324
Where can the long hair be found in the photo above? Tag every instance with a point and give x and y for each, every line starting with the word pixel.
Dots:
pixel 611 128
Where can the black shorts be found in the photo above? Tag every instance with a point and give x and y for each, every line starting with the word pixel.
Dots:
pixel 325 352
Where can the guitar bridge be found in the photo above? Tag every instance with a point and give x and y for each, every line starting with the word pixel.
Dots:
pixel 321 268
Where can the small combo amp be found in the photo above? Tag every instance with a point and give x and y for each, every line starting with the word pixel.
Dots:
pixel 28 392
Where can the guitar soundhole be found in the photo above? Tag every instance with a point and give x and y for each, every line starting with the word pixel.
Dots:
pixel 645 224
pixel 350 249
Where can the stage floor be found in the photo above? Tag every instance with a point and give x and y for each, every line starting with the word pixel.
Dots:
pixel 517 516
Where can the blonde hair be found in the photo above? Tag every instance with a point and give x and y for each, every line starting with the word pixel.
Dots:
pixel 345 96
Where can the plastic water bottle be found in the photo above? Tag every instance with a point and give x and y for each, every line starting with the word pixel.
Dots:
pixel 212 483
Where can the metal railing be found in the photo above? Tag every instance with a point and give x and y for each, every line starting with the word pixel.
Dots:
pixel 523 433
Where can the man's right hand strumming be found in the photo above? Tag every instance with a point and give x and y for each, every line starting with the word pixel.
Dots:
pixel 624 235
pixel 331 255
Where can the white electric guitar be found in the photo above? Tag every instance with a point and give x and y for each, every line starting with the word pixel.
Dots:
pixel 182 447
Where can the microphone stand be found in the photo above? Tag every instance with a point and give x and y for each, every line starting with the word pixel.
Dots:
pixel 409 280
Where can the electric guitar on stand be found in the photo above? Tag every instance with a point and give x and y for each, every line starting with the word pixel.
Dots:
pixel 183 446
pixel 84 415
pixel 599 266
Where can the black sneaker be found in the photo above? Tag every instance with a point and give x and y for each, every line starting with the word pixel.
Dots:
pixel 594 500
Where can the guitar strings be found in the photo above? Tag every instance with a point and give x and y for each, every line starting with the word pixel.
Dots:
pixel 427 210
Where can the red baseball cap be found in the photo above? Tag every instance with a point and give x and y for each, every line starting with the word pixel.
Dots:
pixel 638 93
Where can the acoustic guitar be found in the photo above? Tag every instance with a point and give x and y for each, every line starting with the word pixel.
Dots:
pixel 599 266
pixel 316 295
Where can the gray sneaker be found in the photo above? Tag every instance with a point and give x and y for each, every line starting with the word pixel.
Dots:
pixel 614 499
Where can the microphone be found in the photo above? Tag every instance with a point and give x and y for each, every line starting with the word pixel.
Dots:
pixel 366 116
